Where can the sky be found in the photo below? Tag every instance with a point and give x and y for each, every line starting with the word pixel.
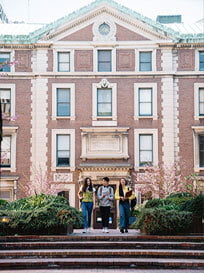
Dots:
pixel 47 11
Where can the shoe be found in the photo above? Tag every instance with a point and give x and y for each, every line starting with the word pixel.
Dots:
pixel 84 231
pixel 122 230
pixel 126 230
pixel 106 230
pixel 89 230
pixel 103 230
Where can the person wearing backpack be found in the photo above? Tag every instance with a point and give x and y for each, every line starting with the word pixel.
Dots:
pixel 124 194
pixel 105 196
pixel 86 195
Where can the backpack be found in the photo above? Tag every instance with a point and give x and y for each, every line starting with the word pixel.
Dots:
pixel 133 203
pixel 109 188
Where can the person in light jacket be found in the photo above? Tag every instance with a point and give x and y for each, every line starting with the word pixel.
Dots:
pixel 124 194
pixel 105 196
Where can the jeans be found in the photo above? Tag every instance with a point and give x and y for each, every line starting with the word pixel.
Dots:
pixel 124 214
pixel 105 213
pixel 87 208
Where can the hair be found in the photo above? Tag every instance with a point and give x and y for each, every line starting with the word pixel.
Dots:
pixel 106 179
pixel 121 193
pixel 85 185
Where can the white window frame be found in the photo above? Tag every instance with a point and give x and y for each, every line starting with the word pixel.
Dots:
pixel 70 132
pixel 55 61
pixel 153 86
pixel 12 88
pixel 137 133
pixel 197 60
pixel 100 120
pixel 12 58
pixel 12 132
pixel 70 86
pixel 137 59
pixel 197 86
pixel 197 130
pixel 95 59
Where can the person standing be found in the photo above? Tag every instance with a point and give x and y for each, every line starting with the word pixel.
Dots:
pixel 106 196
pixel 124 194
pixel 86 195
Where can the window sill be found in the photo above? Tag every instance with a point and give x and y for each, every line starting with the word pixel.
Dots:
pixel 71 168
pixel 64 117
pixel 198 117
pixel 145 117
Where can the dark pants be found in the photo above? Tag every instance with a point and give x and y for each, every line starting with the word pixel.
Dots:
pixel 105 213
pixel 124 214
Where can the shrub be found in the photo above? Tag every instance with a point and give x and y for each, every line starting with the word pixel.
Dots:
pixel 195 205
pixel 158 221
pixel 39 214
pixel 3 203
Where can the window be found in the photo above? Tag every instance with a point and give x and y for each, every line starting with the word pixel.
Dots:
pixel 5 96
pixel 4 62
pixel 104 102
pixel 63 102
pixel 201 151
pixel 145 150
pixel 145 101
pixel 201 101
pixel 104 60
pixel 145 147
pixel 6 152
pixel 145 61
pixel 201 60
pixel 63 149
pixel 64 61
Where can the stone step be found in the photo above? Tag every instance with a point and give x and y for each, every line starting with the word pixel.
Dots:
pixel 134 263
pixel 115 236
pixel 106 253
pixel 102 245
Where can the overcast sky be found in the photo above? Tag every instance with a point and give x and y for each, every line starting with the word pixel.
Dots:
pixel 46 11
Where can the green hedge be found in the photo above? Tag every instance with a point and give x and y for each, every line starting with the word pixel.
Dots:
pixel 159 221
pixel 39 214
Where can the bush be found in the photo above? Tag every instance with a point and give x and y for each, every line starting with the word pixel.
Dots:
pixel 195 205
pixel 40 214
pixel 158 221
pixel 3 203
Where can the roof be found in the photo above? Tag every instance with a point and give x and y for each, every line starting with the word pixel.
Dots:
pixel 34 35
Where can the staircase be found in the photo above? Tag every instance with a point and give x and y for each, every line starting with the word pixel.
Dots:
pixel 97 250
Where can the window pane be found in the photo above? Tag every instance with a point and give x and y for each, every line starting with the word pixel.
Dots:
pixel 63 142
pixel 201 61
pixel 63 102
pixel 63 150
pixel 104 55
pixel 5 101
pixel 145 95
pixel 6 151
pixel 63 95
pixel 145 157
pixel 145 67
pixel 145 109
pixel 4 59
pixel 145 142
pixel 201 150
pixel 63 109
pixel 104 95
pixel 104 109
pixel 145 56
pixel 64 67
pixel 104 67
pixel 64 57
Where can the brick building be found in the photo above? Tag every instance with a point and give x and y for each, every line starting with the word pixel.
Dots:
pixel 97 93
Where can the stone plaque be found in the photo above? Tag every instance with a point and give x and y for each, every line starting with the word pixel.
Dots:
pixel 104 143
pixel 63 177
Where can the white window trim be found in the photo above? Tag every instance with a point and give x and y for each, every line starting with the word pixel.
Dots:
pixel 138 132
pixel 55 61
pixel 137 59
pixel 197 60
pixel 153 86
pixel 11 131
pixel 70 132
pixel 197 86
pixel 95 59
pixel 12 58
pixel 12 87
pixel 71 86
pixel 197 130
pixel 98 120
